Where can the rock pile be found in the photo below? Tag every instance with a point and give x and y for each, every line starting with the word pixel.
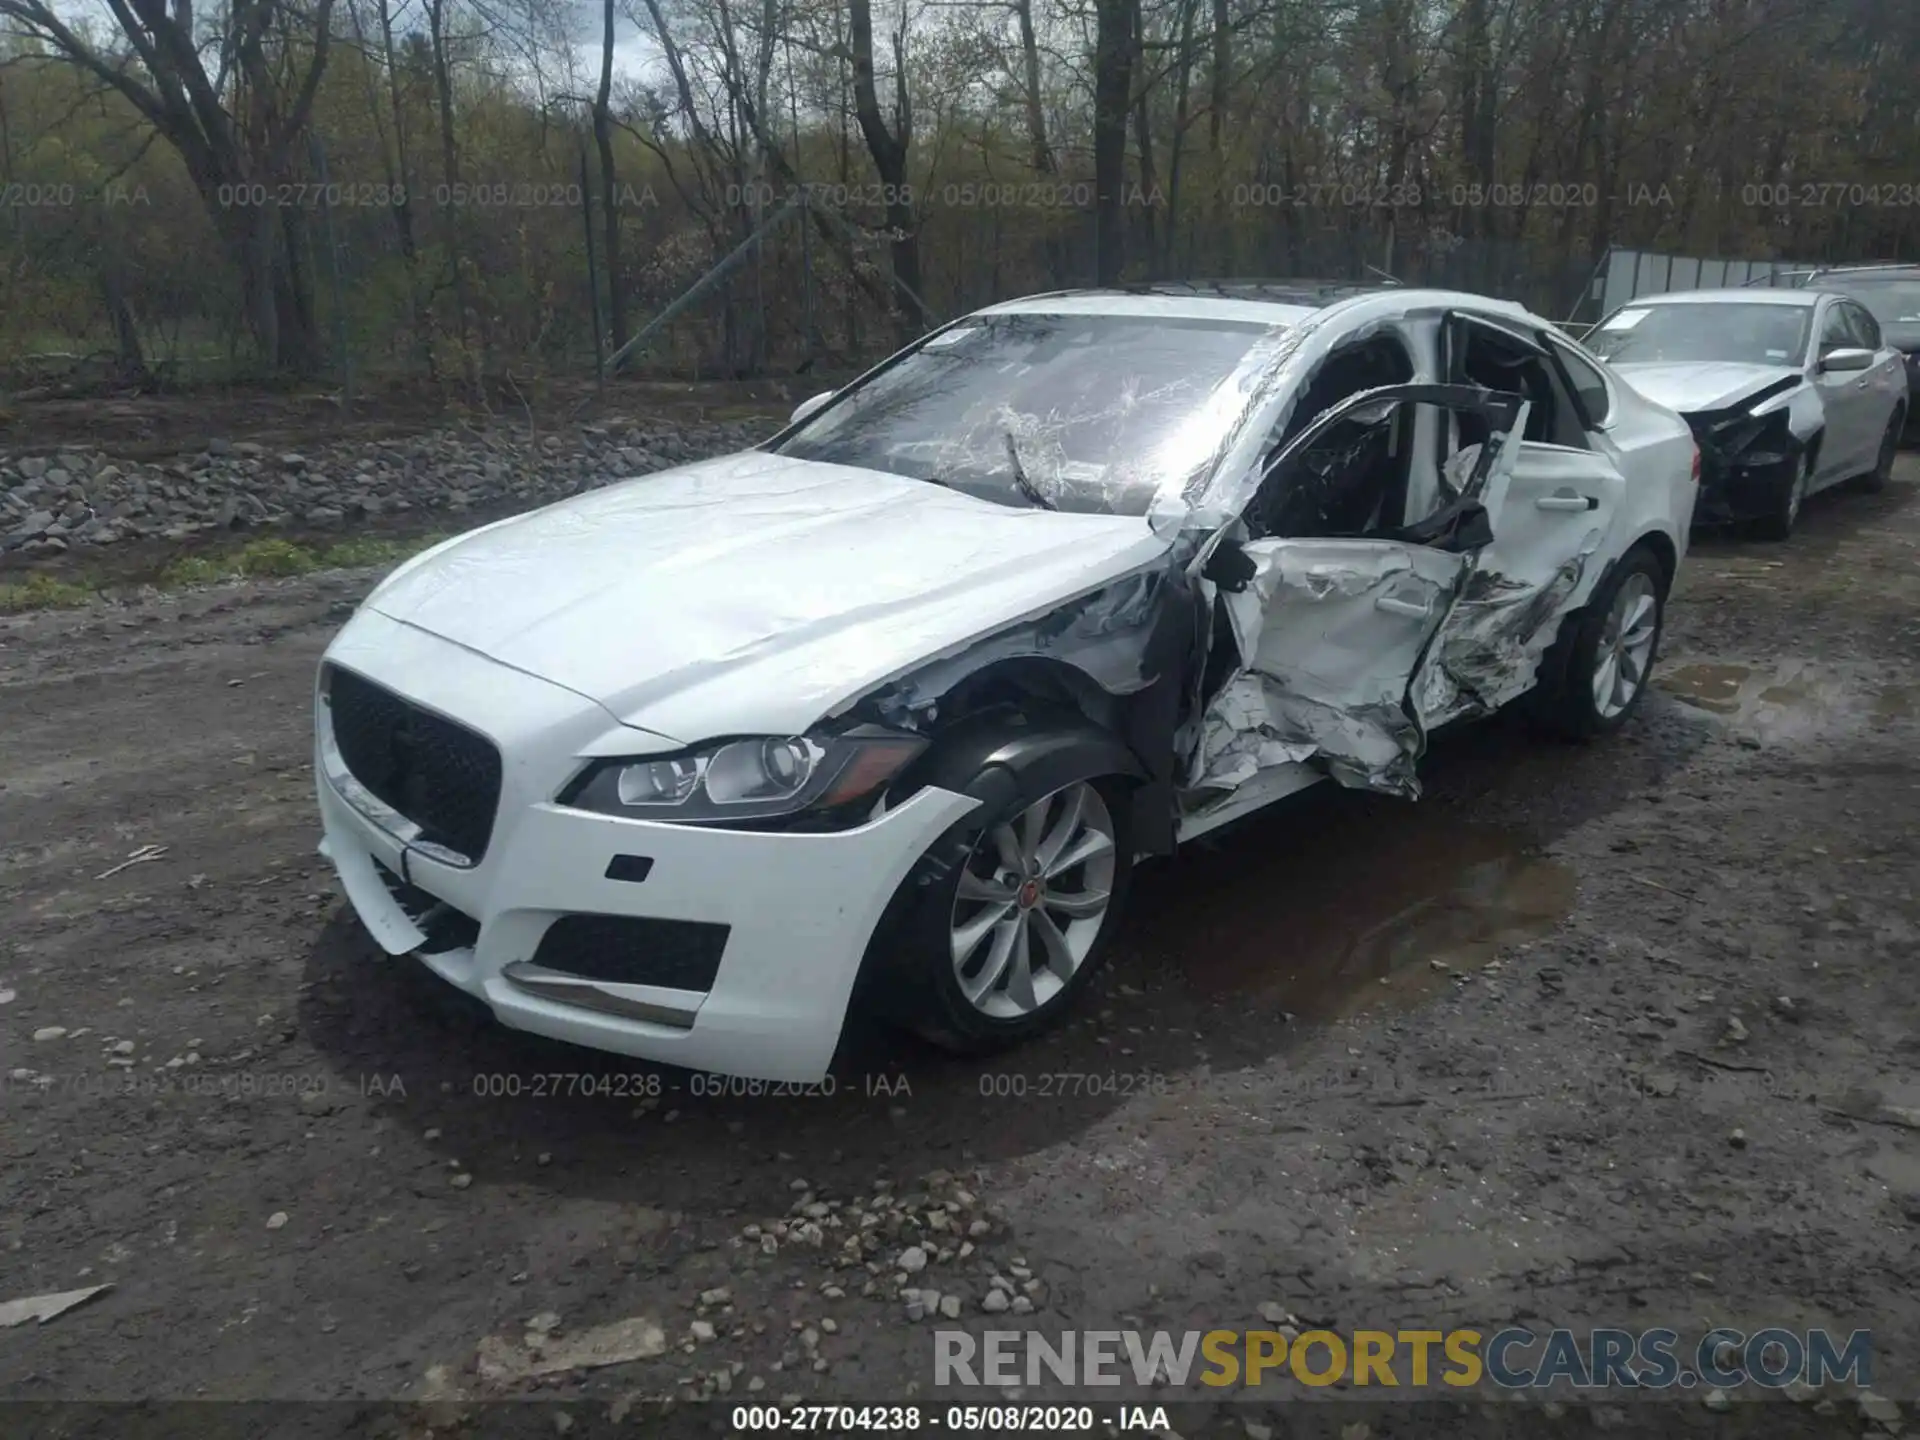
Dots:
pixel 80 497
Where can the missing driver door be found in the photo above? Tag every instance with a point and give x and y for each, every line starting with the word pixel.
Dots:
pixel 1331 633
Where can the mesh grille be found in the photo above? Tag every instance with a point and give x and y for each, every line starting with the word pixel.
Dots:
pixel 441 776
pixel 625 950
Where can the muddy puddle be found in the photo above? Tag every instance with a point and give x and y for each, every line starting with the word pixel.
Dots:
pixel 1787 700
pixel 1345 905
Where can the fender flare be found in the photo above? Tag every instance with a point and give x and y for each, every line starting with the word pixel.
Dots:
pixel 989 756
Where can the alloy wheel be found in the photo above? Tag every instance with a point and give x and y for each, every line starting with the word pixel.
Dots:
pixel 1626 645
pixel 1032 899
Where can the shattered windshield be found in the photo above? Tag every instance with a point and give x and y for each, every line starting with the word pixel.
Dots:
pixel 1755 334
pixel 1090 413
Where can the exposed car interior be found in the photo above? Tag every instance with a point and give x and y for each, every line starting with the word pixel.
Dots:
pixel 1353 480
pixel 1366 476
pixel 1491 359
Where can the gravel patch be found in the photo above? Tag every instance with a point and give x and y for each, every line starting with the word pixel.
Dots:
pixel 80 497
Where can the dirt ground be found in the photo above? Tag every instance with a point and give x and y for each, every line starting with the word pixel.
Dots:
pixel 1617 1035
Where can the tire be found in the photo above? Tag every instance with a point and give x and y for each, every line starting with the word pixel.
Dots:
pixel 1568 705
pixel 1876 479
pixel 1778 525
pixel 936 983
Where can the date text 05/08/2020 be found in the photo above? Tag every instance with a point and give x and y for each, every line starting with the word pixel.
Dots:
pixel 957 1419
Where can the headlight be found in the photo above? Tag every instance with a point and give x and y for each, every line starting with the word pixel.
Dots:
pixel 753 779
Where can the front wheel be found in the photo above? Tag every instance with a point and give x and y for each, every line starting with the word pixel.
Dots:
pixel 1607 650
pixel 995 952
pixel 1876 479
pixel 1778 525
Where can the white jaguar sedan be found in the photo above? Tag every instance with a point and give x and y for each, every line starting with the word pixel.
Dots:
pixel 884 712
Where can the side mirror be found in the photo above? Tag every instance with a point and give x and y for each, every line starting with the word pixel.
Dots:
pixel 810 405
pixel 1846 359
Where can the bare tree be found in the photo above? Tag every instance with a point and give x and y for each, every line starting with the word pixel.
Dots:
pixel 890 148
pixel 1113 50
pixel 609 178
pixel 236 127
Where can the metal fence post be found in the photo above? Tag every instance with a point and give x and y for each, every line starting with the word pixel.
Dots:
pixel 341 357
pixel 806 277
pixel 593 272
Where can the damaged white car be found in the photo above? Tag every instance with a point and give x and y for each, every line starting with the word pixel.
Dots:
pixel 1788 391
pixel 885 711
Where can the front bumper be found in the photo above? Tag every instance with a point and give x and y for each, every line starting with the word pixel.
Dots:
pixel 1731 493
pixel 799 908
pixel 1747 482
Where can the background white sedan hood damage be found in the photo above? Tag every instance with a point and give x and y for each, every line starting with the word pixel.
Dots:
pixel 1686 386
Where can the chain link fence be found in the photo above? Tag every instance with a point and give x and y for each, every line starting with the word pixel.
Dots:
pixel 517 277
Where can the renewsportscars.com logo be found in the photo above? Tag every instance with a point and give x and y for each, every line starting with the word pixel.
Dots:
pixel 1510 1359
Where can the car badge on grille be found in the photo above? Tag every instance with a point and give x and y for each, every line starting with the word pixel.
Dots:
pixel 400 743
pixel 403 773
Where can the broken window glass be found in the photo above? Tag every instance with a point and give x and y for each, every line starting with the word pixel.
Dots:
pixel 1091 413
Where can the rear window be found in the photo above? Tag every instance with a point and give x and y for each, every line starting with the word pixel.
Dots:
pixel 1588 383
pixel 1893 300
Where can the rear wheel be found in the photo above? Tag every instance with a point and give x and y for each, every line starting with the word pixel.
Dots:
pixel 1606 651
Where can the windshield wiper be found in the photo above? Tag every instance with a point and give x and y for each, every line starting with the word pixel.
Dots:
pixel 1026 486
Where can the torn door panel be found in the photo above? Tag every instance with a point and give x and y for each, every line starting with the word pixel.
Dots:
pixel 1490 647
pixel 1551 513
pixel 1328 632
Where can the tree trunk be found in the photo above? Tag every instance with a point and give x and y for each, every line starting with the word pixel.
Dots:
pixel 1143 144
pixel 1040 151
pixel 398 173
pixel 609 180
pixel 1112 92
pixel 450 170
pixel 889 150
pixel 130 362
pixel 1177 145
pixel 1219 83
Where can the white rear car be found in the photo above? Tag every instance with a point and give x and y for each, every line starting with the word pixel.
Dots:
pixel 1790 392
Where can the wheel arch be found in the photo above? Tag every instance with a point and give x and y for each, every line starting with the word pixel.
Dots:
pixel 1130 696
pixel 1653 541
pixel 1663 549
pixel 992 755
pixel 989 750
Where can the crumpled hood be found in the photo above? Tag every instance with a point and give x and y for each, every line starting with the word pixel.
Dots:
pixel 754 592
pixel 1693 386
